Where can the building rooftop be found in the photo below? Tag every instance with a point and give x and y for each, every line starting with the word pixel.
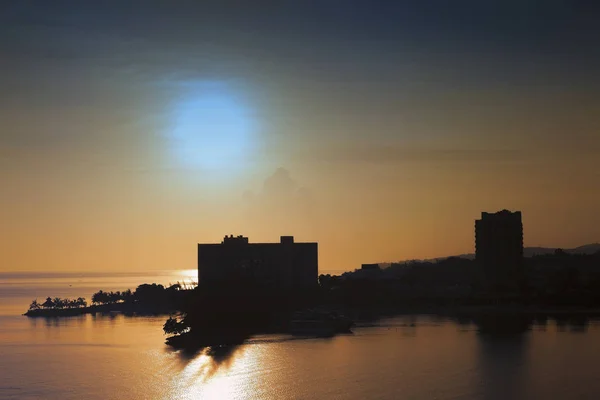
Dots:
pixel 500 214
pixel 241 239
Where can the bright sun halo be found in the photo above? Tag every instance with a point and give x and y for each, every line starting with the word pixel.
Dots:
pixel 212 128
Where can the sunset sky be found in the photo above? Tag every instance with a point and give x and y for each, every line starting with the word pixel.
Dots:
pixel 130 131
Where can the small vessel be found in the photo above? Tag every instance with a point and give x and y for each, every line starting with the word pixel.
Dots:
pixel 319 323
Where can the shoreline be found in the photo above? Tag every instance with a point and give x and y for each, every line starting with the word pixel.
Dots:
pixel 376 310
pixel 123 308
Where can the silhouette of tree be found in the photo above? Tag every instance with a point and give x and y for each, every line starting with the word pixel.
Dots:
pixel 80 302
pixel 150 294
pixel 114 297
pixel 174 327
pixel 127 296
pixel 35 305
pixel 58 302
pixel 100 297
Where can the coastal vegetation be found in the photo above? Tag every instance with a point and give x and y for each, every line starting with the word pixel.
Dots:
pixel 550 280
pixel 550 284
pixel 215 316
pixel 101 297
pixel 58 303
pixel 145 299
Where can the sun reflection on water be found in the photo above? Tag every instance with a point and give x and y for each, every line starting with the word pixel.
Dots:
pixel 217 373
pixel 189 274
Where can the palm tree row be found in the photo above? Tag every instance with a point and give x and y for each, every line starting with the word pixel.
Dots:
pixel 57 302
pixel 153 294
pixel 102 297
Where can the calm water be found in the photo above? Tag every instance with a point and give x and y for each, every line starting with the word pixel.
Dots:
pixel 399 358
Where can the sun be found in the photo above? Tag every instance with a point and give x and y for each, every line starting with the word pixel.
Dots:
pixel 212 128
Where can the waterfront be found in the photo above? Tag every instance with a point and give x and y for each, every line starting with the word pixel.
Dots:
pixel 405 357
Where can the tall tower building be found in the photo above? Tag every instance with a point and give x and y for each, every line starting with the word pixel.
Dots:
pixel 499 248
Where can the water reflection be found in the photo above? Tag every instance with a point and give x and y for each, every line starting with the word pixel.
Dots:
pixel 128 359
pixel 515 324
pixel 503 324
pixel 217 373
pixel 579 324
pixel 504 356
pixel 94 318
pixel 486 324
pixel 204 364
pixel 503 364
pixel 502 345
pixel 56 322
pixel 572 323
pixel 540 323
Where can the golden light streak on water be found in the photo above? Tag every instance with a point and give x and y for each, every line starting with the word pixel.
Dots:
pixel 219 373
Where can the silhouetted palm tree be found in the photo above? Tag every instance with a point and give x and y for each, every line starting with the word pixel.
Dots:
pixel 58 302
pixel 35 305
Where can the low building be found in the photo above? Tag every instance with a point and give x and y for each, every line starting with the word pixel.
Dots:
pixel 284 265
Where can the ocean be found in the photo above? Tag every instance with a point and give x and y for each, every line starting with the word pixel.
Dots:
pixel 403 357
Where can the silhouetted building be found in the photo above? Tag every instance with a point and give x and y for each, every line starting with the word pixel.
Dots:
pixel 283 265
pixel 499 247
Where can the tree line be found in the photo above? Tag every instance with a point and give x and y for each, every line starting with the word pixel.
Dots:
pixel 102 297
pixel 147 294
pixel 59 303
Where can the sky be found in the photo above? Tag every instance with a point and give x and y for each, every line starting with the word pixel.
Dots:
pixel 132 130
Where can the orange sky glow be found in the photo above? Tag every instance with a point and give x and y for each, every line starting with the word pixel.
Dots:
pixel 122 150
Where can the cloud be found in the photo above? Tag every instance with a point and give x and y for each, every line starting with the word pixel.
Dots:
pixel 281 206
pixel 279 190
pixel 279 185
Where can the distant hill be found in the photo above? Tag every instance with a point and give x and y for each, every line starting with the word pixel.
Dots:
pixel 530 252
pixel 585 249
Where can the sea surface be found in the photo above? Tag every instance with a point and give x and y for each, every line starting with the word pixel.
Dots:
pixel 404 357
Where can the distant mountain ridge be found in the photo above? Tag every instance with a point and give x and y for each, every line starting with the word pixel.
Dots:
pixel 529 252
pixel 585 249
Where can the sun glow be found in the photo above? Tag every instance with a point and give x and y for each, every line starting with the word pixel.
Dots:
pixel 212 128
pixel 189 274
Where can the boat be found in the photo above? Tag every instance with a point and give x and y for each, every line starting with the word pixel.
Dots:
pixel 319 323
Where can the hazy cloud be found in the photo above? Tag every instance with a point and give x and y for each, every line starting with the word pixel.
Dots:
pixel 282 206
pixel 279 185
pixel 279 190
